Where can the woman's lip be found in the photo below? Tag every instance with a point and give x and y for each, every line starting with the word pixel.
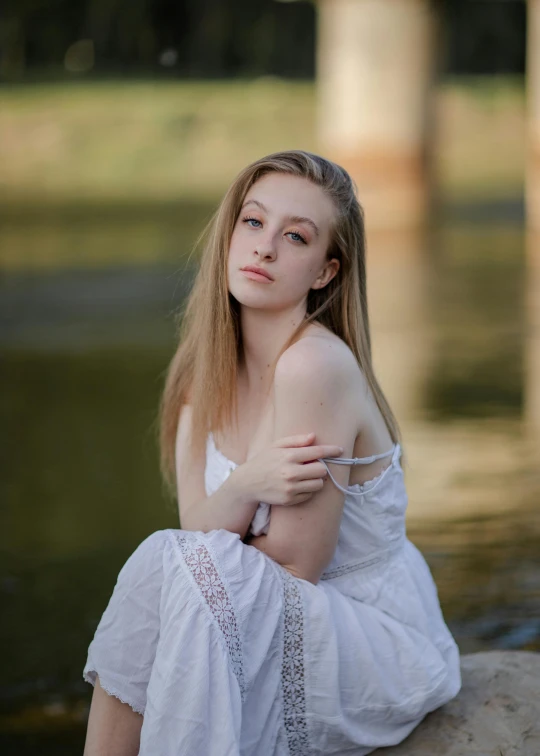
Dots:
pixel 256 276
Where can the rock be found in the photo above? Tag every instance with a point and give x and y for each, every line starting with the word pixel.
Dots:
pixel 496 713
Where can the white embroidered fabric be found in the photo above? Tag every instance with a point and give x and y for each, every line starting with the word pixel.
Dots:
pixel 227 654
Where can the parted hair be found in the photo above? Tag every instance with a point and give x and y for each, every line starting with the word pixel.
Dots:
pixel 203 370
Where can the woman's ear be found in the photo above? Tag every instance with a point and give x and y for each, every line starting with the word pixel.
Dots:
pixel 329 272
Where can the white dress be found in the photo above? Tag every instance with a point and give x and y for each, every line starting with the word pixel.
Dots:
pixel 227 654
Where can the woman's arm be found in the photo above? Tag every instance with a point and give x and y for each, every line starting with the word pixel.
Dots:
pixel 230 507
pixel 316 389
pixel 278 474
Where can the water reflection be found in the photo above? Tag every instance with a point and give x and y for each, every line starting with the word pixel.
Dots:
pixel 50 238
pixel 85 346
pixel 400 269
pixel 532 352
pixel 478 309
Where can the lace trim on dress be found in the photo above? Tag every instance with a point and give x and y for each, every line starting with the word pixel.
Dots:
pixel 292 673
pixel 201 565
pixel 363 564
pixel 345 569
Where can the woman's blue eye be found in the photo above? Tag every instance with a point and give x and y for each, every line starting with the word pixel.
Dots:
pixel 299 237
pixel 254 220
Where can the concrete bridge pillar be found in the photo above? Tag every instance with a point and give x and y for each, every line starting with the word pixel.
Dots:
pixel 532 190
pixel 533 108
pixel 374 70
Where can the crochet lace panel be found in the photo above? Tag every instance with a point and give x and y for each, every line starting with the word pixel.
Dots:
pixel 292 673
pixel 205 573
pixel 201 565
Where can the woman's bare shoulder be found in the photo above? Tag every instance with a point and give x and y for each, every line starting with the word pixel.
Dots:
pixel 319 349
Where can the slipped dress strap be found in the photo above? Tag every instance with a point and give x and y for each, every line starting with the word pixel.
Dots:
pixel 358 461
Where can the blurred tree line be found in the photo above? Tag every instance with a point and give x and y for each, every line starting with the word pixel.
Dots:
pixel 55 39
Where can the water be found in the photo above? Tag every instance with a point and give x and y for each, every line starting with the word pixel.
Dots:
pixel 88 302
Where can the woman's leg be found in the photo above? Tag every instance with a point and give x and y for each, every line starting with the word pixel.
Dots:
pixel 122 652
pixel 114 729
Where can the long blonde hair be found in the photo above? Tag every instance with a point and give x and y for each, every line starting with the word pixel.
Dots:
pixel 203 371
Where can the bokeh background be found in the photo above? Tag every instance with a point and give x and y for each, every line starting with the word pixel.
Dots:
pixel 121 124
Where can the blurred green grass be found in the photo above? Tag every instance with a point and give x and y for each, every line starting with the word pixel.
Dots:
pixel 155 142
pixel 144 141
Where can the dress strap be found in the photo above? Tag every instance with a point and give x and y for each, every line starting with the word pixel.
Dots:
pixel 394 451
pixel 358 460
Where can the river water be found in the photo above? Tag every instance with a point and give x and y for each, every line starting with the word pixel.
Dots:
pixel 88 306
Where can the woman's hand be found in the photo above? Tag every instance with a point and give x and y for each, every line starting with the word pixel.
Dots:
pixel 287 472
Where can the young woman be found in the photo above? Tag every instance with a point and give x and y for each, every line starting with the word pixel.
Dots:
pixel 290 615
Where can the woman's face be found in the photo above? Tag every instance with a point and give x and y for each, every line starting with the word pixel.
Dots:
pixel 284 228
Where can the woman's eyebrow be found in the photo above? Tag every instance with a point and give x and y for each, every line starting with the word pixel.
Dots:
pixel 293 218
pixel 308 221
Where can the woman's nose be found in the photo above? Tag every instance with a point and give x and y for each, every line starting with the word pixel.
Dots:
pixel 266 250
